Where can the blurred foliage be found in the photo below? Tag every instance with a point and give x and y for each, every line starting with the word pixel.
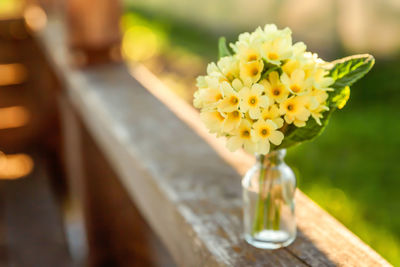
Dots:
pixel 352 170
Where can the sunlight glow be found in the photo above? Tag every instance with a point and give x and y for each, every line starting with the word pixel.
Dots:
pixel 15 166
pixel 35 17
pixel 13 117
pixel 140 43
pixel 13 73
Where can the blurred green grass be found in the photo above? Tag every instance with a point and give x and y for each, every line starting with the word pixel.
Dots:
pixel 352 170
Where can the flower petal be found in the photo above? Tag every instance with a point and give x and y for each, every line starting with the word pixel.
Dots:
pixel 234 143
pixel 276 137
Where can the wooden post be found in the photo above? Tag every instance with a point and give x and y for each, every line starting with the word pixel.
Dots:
pixel 93 31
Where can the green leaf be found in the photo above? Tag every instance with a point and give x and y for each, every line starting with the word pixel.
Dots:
pixel 223 50
pixel 348 70
pixel 295 135
pixel 345 72
pixel 340 99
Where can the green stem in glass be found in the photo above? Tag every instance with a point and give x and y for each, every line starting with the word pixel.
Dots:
pixel 267 209
pixel 261 204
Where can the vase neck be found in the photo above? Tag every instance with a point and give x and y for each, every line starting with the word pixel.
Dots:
pixel 271 159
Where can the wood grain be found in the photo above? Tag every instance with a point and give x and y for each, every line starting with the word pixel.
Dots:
pixel 188 191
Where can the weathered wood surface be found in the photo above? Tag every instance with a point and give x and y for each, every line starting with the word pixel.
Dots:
pixel 116 232
pixel 31 228
pixel 187 190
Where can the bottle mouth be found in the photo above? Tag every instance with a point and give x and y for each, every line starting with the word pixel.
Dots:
pixel 275 155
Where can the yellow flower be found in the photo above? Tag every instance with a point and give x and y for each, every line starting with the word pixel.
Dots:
pixel 250 72
pixel 272 113
pixel 252 100
pixel 295 111
pixel 232 121
pixel 231 100
pixel 248 54
pixel 242 137
pixel 316 105
pixel 213 70
pixel 290 66
pixel 265 132
pixel 277 46
pixel 237 84
pixel 317 113
pixel 213 120
pixel 229 67
pixel 320 95
pixel 249 40
pixel 321 81
pixel 274 88
pixel 296 83
pixel 207 98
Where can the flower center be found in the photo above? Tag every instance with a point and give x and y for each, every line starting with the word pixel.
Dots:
pixel 273 56
pixel 253 101
pixel 234 100
pixel 220 117
pixel 245 134
pixel 230 76
pixel 218 97
pixel 295 88
pixel 276 92
pixel 264 132
pixel 235 114
pixel 254 71
pixel 252 57
pixel 290 107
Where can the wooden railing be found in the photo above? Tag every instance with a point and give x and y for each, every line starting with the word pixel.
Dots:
pixel 183 181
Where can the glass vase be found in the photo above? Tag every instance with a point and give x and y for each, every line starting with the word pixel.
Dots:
pixel 268 202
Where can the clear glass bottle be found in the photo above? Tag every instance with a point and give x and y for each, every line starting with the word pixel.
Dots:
pixel 268 202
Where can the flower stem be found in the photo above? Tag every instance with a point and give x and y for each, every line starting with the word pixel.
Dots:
pixel 260 209
pixel 268 210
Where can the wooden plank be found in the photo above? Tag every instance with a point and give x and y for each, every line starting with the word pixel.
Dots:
pixel 117 234
pixel 33 229
pixel 117 231
pixel 188 193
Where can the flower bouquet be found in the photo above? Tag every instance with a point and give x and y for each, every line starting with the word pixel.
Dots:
pixel 266 94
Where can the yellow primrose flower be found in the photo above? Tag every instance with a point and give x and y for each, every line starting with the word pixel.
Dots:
pixel 296 83
pixel 248 54
pixel 317 113
pixel 252 100
pixel 229 66
pixel 290 65
pixel 213 70
pixel 208 92
pixel 272 113
pixel 299 49
pixel 265 132
pixel 232 121
pixel 242 137
pixel 237 84
pixel 320 95
pixel 274 88
pixel 213 120
pixel 321 81
pixel 207 97
pixel 231 100
pixel 277 49
pixel 250 72
pixel 295 111
pixel 249 40
pixel 316 105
